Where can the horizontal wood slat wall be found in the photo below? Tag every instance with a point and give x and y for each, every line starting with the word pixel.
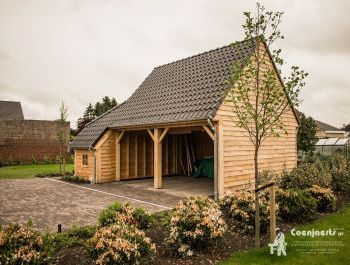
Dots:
pixel 107 160
pixel 275 154
pixel 85 171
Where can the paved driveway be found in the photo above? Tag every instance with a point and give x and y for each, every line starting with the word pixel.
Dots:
pixel 48 202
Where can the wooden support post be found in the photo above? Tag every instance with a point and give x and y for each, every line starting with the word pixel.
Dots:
pixel 157 159
pixel 167 157
pixel 75 163
pixel 128 156
pixel 144 156
pixel 136 160
pixel 117 155
pixel 173 170
pixel 272 213
pixel 219 139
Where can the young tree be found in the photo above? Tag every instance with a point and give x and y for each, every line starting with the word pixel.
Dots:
pixel 306 137
pixel 258 99
pixel 61 132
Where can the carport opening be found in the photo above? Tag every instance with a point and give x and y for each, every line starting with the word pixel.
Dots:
pixel 187 159
pixel 188 154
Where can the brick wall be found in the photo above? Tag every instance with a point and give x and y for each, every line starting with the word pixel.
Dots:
pixel 22 140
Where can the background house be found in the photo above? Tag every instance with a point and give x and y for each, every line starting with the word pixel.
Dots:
pixel 325 130
pixel 26 140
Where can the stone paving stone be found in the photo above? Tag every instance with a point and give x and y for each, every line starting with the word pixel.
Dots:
pixel 48 202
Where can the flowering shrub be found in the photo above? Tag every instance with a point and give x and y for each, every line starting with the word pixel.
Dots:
pixel 306 175
pixel 124 213
pixel 120 244
pixel 340 170
pixel 296 205
pixel 194 223
pixel 20 244
pixel 324 197
pixel 241 207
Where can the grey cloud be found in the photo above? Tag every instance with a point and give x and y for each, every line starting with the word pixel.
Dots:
pixel 81 50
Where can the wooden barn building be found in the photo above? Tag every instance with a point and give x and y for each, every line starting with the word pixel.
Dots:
pixel 179 115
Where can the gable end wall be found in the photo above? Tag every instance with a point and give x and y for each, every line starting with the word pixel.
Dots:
pixel 275 154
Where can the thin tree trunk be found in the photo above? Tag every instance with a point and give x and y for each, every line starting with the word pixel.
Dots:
pixel 60 159
pixel 257 205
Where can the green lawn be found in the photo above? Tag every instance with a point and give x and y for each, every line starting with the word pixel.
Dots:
pixel 28 171
pixel 294 257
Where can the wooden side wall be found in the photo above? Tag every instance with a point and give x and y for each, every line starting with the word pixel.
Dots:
pixel 106 158
pixel 275 154
pixel 81 170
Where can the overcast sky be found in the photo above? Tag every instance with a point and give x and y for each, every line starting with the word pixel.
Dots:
pixel 81 50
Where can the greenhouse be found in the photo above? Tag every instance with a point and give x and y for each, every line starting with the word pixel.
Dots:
pixel 330 146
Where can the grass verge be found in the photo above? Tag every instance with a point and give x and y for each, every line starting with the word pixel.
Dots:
pixel 294 256
pixel 29 171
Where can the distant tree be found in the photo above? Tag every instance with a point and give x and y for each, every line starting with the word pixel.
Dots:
pixel 61 131
pixel 94 110
pixel 259 103
pixel 306 134
pixel 346 127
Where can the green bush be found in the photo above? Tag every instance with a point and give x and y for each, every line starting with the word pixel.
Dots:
pixel 75 179
pixel 240 205
pixel 120 243
pixel 296 205
pixel 195 222
pixel 118 212
pixel 306 175
pixel 340 170
pixel 20 244
pixel 326 201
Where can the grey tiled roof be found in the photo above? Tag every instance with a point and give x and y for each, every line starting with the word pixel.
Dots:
pixel 185 90
pixel 11 110
pixel 326 127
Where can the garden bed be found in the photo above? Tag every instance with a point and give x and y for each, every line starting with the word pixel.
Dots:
pixel 221 249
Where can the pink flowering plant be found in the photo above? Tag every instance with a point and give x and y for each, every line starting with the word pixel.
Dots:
pixel 195 223
pixel 125 213
pixel 240 207
pixel 120 243
pixel 326 201
pixel 20 244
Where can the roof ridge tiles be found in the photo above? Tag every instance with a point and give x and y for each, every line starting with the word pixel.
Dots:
pixel 205 52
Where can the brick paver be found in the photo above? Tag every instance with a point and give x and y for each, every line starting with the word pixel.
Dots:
pixel 48 203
